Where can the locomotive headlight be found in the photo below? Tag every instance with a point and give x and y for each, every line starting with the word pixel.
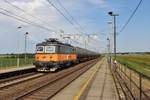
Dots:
pixel 37 57
pixel 44 57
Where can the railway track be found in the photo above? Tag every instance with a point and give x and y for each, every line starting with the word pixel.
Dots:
pixel 46 86
pixel 8 82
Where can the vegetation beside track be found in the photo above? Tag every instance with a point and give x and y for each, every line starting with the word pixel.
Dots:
pixel 10 60
pixel 138 62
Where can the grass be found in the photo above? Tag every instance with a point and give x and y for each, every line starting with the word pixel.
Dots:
pixel 9 62
pixel 140 63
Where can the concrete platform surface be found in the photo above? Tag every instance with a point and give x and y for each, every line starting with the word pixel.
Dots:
pixel 102 86
pixel 15 69
pixel 69 92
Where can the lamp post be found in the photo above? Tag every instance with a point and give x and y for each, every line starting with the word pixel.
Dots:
pixel 18 60
pixel 25 54
pixel 114 16
pixel 85 44
pixel 109 52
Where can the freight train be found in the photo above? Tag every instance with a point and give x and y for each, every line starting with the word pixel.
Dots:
pixel 53 54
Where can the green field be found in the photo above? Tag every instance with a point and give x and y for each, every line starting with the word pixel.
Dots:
pixel 8 62
pixel 139 62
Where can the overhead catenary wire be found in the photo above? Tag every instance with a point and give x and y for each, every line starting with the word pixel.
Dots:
pixel 125 25
pixel 66 18
pixel 60 12
pixel 21 19
pixel 70 15
pixel 14 17
pixel 22 10
pixel 28 21
pixel 73 19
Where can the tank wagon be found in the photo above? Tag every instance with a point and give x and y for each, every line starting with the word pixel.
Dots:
pixel 53 54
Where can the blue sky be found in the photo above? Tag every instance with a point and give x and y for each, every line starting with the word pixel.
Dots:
pixel 90 14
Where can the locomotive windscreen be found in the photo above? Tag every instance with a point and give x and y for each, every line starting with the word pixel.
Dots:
pixel 45 49
pixel 40 49
pixel 50 49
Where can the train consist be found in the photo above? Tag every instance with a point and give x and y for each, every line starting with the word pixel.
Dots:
pixel 53 54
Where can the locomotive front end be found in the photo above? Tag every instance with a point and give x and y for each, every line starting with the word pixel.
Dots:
pixel 46 58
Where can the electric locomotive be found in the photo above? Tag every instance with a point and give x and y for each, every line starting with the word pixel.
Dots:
pixel 53 54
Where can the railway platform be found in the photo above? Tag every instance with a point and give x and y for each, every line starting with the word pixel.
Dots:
pixel 95 84
pixel 7 70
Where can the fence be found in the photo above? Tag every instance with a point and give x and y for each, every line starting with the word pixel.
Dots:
pixel 135 85
pixel 6 62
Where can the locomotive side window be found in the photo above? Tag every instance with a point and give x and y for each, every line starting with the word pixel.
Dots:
pixel 50 49
pixel 61 49
pixel 40 49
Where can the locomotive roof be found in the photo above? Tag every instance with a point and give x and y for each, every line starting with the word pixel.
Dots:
pixel 52 41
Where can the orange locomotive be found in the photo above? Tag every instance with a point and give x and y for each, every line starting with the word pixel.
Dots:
pixel 52 55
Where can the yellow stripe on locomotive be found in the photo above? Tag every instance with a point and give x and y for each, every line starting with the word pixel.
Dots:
pixel 55 57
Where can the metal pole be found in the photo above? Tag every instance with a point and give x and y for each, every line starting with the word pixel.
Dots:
pixel 114 16
pixel 18 60
pixel 109 57
pixel 115 36
pixel 130 81
pixel 85 44
pixel 26 46
pixel 109 52
pixel 125 72
pixel 140 84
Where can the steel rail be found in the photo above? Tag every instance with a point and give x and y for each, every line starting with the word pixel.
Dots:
pixel 29 93
pixel 19 82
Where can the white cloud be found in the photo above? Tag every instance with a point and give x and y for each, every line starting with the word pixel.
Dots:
pixel 29 5
pixel 44 11
pixel 97 2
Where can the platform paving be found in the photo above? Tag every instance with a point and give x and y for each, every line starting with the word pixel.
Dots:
pixel 69 92
pixel 102 86
pixel 15 69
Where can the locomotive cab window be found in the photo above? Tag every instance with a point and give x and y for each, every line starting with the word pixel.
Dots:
pixel 40 49
pixel 50 49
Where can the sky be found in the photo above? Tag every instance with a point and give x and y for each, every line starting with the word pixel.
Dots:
pixel 87 17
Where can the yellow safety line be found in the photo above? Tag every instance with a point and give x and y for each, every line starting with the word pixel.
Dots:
pixel 86 83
